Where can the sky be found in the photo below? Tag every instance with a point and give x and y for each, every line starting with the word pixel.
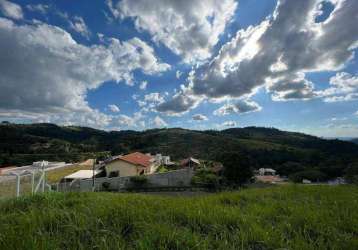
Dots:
pixel 119 65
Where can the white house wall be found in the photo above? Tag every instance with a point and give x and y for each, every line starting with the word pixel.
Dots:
pixel 124 168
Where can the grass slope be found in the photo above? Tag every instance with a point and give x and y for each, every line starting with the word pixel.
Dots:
pixel 54 176
pixel 292 217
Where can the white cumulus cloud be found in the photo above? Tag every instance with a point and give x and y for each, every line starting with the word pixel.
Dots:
pixel 113 108
pixel 79 25
pixel 143 85
pixel 189 28
pixel 44 71
pixel 343 87
pixel 276 54
pixel 229 124
pixel 199 117
pixel 159 122
pixel 11 10
pixel 243 106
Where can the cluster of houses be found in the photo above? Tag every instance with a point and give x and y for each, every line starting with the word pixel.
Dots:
pixel 130 165
pixel 137 163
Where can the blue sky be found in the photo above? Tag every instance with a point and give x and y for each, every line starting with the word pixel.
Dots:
pixel 144 64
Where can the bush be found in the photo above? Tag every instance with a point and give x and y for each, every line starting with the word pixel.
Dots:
pixel 139 181
pixel 106 185
pixel 162 169
pixel 351 173
pixel 312 175
pixel 237 168
pixel 205 178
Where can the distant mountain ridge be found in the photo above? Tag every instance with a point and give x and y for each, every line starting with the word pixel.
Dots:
pixel 266 146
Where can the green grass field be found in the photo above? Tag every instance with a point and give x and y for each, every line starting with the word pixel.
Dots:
pixel 287 217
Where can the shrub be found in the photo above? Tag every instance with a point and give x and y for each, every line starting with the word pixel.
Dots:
pixel 162 169
pixel 237 168
pixel 139 180
pixel 312 175
pixel 106 185
pixel 351 173
pixel 205 178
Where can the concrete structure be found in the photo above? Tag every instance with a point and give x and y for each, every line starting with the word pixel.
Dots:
pixel 268 178
pixel 163 159
pixel 166 161
pixel 181 177
pixel 267 171
pixel 337 181
pixel 131 165
pixel 81 174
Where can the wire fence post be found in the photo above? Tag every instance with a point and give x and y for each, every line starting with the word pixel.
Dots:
pixel 17 185
pixel 93 174
pixel 32 182
pixel 43 176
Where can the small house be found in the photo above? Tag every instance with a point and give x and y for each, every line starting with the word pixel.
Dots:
pixel 131 164
pixel 306 181
pixel 190 162
pixel 81 175
pixel 267 171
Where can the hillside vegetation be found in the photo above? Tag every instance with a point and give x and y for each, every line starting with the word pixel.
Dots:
pixel 286 217
pixel 355 140
pixel 287 152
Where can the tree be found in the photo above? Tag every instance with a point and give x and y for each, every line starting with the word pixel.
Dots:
pixel 237 167
pixel 206 178
pixel 351 173
pixel 312 175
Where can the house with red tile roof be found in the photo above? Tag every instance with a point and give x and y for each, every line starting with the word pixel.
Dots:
pixel 131 164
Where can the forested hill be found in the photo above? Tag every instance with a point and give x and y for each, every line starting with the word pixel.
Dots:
pixel 355 140
pixel 286 151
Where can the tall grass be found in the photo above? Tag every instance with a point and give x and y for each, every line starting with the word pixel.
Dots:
pixel 290 217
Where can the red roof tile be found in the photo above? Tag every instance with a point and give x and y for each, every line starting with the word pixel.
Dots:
pixel 138 158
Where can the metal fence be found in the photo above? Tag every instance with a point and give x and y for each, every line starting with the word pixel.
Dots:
pixel 23 182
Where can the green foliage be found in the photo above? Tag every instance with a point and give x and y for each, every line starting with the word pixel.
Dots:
pixel 351 174
pixel 162 169
pixel 238 168
pixel 205 178
pixel 286 152
pixel 312 175
pixel 106 185
pixel 139 180
pixel 293 217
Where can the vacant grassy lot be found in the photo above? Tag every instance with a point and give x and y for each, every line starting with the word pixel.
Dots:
pixel 289 217
pixel 56 175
